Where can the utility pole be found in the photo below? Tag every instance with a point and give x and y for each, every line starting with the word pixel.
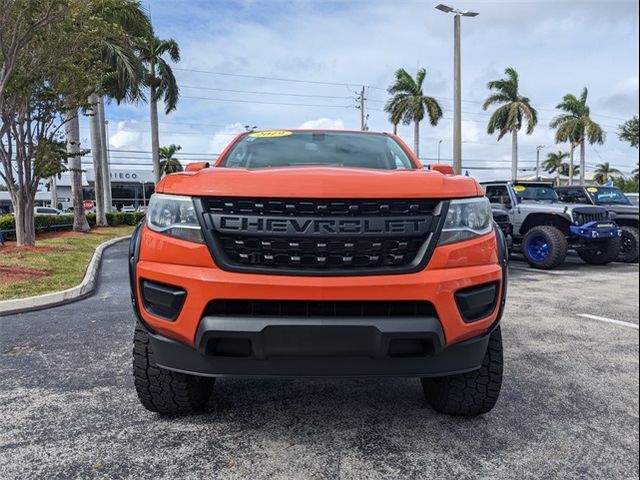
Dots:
pixel 361 106
pixel 538 148
pixel 457 84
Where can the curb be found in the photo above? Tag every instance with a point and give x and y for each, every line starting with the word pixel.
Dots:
pixel 73 294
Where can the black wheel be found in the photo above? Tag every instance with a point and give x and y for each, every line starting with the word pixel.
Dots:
pixel 602 253
pixel 544 247
pixel 472 393
pixel 165 391
pixel 629 245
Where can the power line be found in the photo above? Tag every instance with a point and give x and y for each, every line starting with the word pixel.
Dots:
pixel 265 103
pixel 255 92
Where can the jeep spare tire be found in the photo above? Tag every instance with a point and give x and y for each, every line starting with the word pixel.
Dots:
pixel 602 253
pixel 544 247
pixel 629 245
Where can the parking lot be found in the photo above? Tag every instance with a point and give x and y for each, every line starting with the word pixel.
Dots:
pixel 568 409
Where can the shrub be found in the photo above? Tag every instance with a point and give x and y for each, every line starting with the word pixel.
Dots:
pixel 45 223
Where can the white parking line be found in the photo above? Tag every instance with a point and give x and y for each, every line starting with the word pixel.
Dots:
pixel 608 320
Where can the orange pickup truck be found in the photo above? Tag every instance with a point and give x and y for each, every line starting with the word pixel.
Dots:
pixel 318 253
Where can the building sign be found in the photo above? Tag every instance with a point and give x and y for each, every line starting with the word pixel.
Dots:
pixel 124 175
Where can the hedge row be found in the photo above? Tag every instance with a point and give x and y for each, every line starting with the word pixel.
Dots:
pixel 46 223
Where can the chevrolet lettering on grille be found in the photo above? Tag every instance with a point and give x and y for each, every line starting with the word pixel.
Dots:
pixel 313 226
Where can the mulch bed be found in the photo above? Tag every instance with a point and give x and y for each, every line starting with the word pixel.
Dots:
pixel 14 274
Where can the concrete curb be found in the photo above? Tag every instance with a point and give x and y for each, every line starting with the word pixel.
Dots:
pixel 73 294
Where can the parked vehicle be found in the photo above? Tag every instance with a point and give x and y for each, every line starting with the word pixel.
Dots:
pixel 47 211
pixel 611 198
pixel 502 220
pixel 315 253
pixel 633 198
pixel 544 229
pixel 128 209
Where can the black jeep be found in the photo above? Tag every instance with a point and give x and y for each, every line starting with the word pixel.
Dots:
pixel 612 198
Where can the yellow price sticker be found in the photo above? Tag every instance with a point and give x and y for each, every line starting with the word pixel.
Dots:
pixel 519 188
pixel 271 134
pixel 592 190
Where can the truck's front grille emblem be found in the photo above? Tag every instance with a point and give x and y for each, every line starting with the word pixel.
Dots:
pixel 320 236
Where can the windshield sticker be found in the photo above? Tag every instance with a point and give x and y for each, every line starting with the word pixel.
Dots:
pixel 519 188
pixel 271 134
pixel 592 190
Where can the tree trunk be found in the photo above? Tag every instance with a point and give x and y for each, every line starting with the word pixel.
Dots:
pixel 106 170
pixel 155 142
pixel 72 128
pixel 583 163
pixel 514 155
pixel 23 214
pixel 558 177
pixel 571 163
pixel 96 156
pixel 416 139
pixel 395 128
pixel 53 183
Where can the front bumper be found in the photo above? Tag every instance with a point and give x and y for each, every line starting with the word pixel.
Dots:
pixel 321 348
pixel 198 343
pixel 596 230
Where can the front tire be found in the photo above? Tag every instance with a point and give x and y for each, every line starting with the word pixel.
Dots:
pixel 629 247
pixel 164 391
pixel 603 253
pixel 545 247
pixel 472 393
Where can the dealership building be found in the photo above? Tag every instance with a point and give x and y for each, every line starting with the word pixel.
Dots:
pixel 130 187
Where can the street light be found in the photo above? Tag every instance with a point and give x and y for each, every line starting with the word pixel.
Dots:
pixel 538 148
pixel 439 143
pixel 457 85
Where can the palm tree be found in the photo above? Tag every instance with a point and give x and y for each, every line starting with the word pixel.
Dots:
pixel 513 111
pixel 162 85
pixel 121 80
pixel 409 104
pixel 576 126
pixel 554 163
pixel 605 172
pixel 169 164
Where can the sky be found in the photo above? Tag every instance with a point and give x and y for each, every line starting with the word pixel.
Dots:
pixel 306 61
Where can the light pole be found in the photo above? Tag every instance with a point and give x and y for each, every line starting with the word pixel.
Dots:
pixel 538 148
pixel 439 143
pixel 457 84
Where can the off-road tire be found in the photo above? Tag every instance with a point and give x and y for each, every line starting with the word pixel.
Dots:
pixel 631 241
pixel 472 393
pixel 606 252
pixel 558 247
pixel 165 391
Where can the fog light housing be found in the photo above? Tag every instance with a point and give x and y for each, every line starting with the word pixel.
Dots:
pixel 163 301
pixel 478 302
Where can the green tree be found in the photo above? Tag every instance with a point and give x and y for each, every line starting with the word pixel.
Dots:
pixel 513 111
pixel 605 172
pixel 555 163
pixel 627 185
pixel 162 85
pixel 409 104
pixel 168 163
pixel 576 126
pixel 628 131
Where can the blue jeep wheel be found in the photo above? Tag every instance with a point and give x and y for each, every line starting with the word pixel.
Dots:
pixel 544 247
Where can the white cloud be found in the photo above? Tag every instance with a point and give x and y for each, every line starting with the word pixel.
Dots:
pixel 323 123
pixel 222 138
pixel 125 137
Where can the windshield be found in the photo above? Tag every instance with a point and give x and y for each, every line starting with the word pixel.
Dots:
pixel 607 196
pixel 535 193
pixel 289 149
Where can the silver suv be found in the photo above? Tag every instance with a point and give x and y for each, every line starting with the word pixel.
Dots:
pixel 544 229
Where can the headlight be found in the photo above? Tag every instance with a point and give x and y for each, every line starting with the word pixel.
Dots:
pixel 175 216
pixel 466 219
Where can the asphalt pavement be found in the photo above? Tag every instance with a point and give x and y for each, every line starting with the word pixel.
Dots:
pixel 568 409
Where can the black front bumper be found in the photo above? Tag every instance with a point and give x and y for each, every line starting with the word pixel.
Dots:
pixel 321 347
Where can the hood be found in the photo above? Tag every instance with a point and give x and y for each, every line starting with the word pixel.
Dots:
pixel 319 182
pixel 627 210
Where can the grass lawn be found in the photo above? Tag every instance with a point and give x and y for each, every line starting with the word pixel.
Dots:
pixel 57 262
